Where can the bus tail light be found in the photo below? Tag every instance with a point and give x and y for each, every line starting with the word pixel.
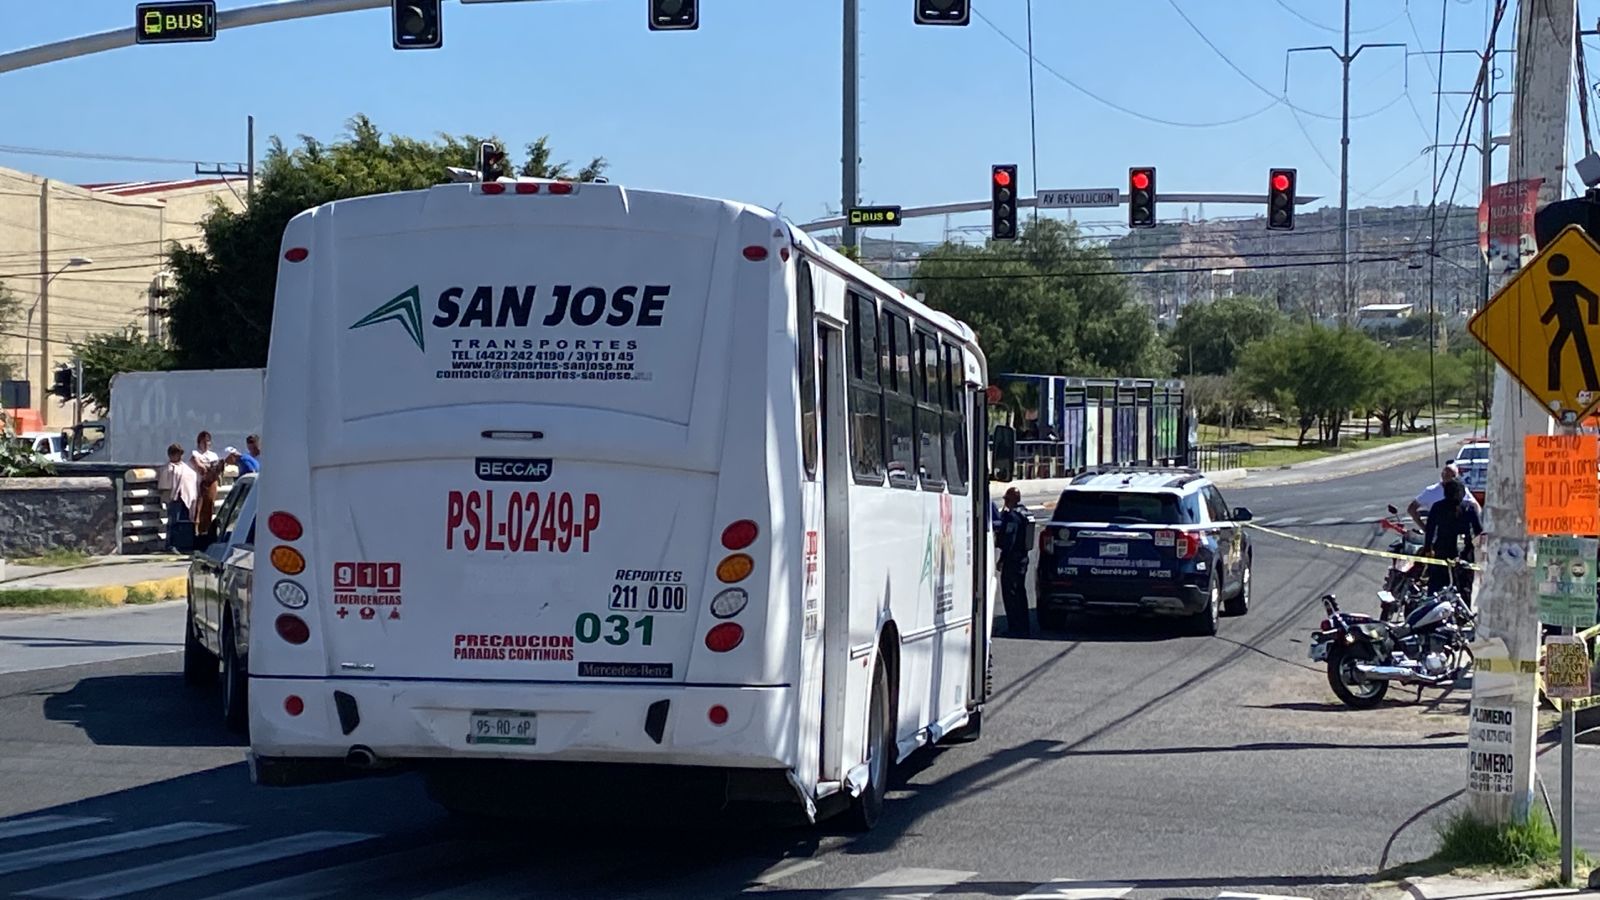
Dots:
pixel 292 628
pixel 724 637
pixel 284 526
pixel 288 560
pixel 735 568
pixel 755 253
pixel 729 603
pixel 718 714
pixel 293 705
pixel 740 534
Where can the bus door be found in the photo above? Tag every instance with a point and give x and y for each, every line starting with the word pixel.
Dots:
pixel 813 413
pixel 982 556
pixel 836 478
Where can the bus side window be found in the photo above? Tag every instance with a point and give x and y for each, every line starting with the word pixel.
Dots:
pixel 805 320
pixel 955 422
pixel 930 456
pixel 900 402
pixel 865 400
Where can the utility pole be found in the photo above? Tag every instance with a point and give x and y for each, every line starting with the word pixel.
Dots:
pixel 850 155
pixel 1545 42
pixel 1346 57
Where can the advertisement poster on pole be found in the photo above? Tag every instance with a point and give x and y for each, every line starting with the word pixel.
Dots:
pixel 1560 486
pixel 1505 224
pixel 1565 568
pixel 1490 737
pixel 1566 667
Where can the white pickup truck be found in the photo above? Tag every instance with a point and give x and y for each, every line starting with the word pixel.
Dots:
pixel 1473 463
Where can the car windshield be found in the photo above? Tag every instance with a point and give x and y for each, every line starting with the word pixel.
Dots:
pixel 1125 507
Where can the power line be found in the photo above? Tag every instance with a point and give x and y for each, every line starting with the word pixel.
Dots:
pixel 84 154
pixel 1336 30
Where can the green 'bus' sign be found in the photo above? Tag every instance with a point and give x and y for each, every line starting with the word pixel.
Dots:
pixel 176 23
pixel 874 215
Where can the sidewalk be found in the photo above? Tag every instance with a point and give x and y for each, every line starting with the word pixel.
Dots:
pixel 110 579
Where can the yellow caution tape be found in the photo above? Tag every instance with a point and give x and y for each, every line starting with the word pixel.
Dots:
pixel 1367 551
pixel 1507 666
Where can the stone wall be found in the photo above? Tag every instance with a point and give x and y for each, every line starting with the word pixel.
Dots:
pixel 38 515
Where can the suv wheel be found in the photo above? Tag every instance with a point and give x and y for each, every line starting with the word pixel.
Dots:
pixel 1240 604
pixel 1205 621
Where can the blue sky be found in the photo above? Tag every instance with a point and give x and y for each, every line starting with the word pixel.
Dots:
pixel 748 106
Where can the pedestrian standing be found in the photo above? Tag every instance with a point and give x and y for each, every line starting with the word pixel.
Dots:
pixel 1015 540
pixel 250 460
pixel 205 462
pixel 180 491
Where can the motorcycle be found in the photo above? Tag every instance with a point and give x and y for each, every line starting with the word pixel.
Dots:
pixel 1404 585
pixel 1364 655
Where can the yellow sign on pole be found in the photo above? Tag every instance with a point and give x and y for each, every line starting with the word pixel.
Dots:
pixel 1544 325
pixel 1566 668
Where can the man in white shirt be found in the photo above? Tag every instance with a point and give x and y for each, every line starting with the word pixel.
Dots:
pixel 1433 493
pixel 180 490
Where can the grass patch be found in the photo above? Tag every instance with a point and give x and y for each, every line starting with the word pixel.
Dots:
pixel 34 598
pixel 1283 456
pixel 1528 850
pixel 56 559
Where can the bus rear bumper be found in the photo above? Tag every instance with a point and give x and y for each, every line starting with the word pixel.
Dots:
pixel 377 725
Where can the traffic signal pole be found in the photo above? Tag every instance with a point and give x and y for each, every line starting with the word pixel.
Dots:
pixel 1506 592
pixel 850 152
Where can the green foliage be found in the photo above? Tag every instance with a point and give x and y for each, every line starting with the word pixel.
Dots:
pixel 1466 841
pixel 1210 336
pixel 221 301
pixel 1218 399
pixel 104 355
pixel 1313 374
pixel 1044 304
pixel 17 460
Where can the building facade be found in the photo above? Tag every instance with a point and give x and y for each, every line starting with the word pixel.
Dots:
pixel 80 260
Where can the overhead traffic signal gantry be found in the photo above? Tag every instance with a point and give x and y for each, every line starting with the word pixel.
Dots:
pixel 1003 202
pixel 1142 197
pixel 943 12
pixel 418 24
pixel 674 15
pixel 1280 199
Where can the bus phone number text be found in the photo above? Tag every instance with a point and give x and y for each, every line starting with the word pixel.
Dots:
pixel 664 598
pixel 520 521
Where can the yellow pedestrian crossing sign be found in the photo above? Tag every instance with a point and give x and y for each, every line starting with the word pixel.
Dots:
pixel 1544 325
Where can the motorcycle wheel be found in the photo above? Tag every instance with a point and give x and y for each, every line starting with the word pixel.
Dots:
pixel 1347 685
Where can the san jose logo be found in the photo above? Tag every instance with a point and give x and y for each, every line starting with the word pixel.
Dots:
pixel 405 309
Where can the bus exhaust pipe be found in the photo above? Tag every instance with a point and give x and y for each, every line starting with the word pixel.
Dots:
pixel 361 758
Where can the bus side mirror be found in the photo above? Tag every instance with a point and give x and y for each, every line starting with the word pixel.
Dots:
pixel 1004 452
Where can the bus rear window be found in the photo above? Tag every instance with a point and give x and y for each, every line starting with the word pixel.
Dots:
pixel 1121 507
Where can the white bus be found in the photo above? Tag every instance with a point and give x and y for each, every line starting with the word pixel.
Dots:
pixel 575 473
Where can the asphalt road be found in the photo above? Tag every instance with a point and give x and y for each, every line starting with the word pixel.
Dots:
pixel 1124 761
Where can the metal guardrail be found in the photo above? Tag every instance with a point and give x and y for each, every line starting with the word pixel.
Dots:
pixel 1216 457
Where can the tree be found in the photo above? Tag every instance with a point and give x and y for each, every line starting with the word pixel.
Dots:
pixel 1218 399
pixel 1210 336
pixel 1044 304
pixel 105 355
pixel 17 459
pixel 1315 374
pixel 221 300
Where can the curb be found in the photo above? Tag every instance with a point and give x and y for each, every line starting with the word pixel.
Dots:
pixel 157 589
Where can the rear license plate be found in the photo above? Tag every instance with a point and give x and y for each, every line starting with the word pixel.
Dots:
pixel 501 726
pixel 1114 549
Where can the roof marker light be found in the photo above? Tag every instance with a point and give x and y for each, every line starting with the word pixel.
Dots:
pixel 527 187
pixel 494 187
pixel 755 253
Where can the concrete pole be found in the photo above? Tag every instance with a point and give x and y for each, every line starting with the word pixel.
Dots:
pixel 1347 309
pixel 850 155
pixel 43 398
pixel 1545 35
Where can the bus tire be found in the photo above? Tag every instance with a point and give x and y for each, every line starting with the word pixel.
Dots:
pixel 866 809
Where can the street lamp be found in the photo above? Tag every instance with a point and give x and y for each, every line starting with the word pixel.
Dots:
pixel 27 333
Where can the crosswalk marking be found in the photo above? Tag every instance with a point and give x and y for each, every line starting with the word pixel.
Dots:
pixel 903 884
pixel 1331 520
pixel 322 882
pixel 44 824
pixel 188 868
pixel 23 860
pixel 1290 520
pixel 1230 895
pixel 1069 889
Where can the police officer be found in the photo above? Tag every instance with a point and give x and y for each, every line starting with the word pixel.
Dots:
pixel 1015 539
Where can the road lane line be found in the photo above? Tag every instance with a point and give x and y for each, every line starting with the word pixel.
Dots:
pixel 1071 889
pixel 332 880
pixel 23 860
pixel 1331 520
pixel 43 824
pixel 903 884
pixel 188 868
pixel 1290 520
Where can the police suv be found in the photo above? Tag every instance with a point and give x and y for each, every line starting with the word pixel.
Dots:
pixel 1143 541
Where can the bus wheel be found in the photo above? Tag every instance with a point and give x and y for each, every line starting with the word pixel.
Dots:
pixel 866 809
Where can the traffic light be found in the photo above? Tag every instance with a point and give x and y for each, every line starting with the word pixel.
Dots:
pixel 1280 200
pixel 491 162
pixel 418 24
pixel 64 385
pixel 1142 197
pixel 943 12
pixel 674 15
pixel 1003 203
